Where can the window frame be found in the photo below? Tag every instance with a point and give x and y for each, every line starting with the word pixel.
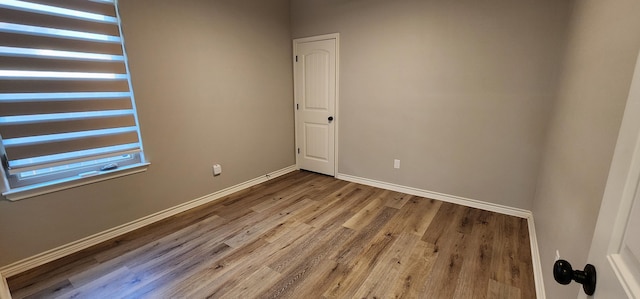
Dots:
pixel 15 188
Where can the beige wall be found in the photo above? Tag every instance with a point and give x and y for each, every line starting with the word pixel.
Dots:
pixel 459 91
pixel 603 44
pixel 213 83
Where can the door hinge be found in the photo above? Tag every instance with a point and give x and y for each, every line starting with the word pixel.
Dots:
pixel 298 151
pixel 296 58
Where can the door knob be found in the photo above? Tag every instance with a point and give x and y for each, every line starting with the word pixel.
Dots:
pixel 563 273
pixel 330 118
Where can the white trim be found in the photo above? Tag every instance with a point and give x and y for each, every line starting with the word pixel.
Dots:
pixel 64 250
pixel 623 273
pixel 337 104
pixel 58 185
pixel 439 196
pixel 535 259
pixel 533 241
pixel 336 37
pixel 631 185
pixel 4 288
pixel 314 38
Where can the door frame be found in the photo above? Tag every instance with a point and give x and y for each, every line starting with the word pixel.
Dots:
pixel 336 122
pixel 619 193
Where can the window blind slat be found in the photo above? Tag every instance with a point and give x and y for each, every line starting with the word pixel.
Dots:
pixel 53 86
pixel 59 22
pixel 58 75
pixel 63 137
pixel 103 8
pixel 40 107
pixel 25 149
pixel 20 29
pixel 60 55
pixel 26 6
pixel 14 120
pixel 62 96
pixel 38 64
pixel 52 43
pixel 37 128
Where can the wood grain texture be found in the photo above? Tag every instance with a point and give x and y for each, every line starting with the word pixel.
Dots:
pixel 302 235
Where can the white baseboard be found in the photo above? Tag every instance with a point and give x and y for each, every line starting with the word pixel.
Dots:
pixel 64 250
pixel 535 259
pixel 439 196
pixel 535 254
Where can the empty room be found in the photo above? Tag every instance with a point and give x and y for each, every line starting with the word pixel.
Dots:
pixel 319 149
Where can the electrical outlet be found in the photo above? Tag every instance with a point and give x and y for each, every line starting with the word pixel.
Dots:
pixel 217 169
pixel 557 254
pixel 396 164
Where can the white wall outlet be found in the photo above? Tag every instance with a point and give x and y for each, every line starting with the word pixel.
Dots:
pixel 217 169
pixel 557 254
pixel 396 163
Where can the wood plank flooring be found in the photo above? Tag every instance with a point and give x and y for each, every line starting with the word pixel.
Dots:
pixel 303 235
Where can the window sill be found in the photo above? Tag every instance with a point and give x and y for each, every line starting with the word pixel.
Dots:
pixel 67 183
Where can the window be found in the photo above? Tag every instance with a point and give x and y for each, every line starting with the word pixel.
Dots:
pixel 67 111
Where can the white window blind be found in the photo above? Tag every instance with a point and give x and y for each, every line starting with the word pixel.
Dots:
pixel 66 105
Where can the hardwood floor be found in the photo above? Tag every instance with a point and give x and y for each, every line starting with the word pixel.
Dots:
pixel 303 235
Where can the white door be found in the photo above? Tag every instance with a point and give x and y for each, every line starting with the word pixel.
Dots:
pixel 615 249
pixel 315 83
